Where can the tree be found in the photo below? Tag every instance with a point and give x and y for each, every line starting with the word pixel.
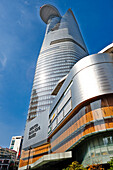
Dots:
pixel 75 166
pixel 111 164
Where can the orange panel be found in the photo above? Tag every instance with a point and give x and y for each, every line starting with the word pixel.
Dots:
pixel 111 110
pixel 92 115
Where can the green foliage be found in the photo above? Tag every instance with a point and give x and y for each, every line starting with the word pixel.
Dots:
pixel 111 164
pixel 75 166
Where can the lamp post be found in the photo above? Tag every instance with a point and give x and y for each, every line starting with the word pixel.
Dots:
pixel 28 167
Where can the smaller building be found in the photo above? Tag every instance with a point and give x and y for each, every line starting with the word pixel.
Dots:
pixel 6 157
pixel 16 143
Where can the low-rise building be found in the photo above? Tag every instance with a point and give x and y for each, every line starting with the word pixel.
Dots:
pixel 6 156
pixel 16 143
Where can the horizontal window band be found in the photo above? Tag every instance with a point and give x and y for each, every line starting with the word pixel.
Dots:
pixel 86 118
pixel 50 49
pixel 56 64
pixel 64 40
pixel 37 76
pixel 51 69
pixel 65 55
pixel 57 48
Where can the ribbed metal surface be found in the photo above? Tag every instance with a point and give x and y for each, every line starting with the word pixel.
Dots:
pixel 92 76
pixel 55 60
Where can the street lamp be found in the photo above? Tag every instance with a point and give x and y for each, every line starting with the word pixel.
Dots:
pixel 28 167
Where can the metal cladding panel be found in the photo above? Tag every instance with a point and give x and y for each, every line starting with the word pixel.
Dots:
pixel 92 76
pixel 36 131
pixel 92 81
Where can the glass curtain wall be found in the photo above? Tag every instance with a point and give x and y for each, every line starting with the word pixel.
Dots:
pixel 62 47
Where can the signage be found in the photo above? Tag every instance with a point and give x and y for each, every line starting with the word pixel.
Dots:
pixel 33 130
pixel 36 130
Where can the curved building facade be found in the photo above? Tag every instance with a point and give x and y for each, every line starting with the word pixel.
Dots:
pixel 62 47
pixel 81 115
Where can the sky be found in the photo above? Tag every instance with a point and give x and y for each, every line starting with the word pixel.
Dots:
pixel 21 36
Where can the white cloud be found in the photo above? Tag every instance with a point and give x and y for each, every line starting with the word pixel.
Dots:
pixel 3 60
pixel 26 2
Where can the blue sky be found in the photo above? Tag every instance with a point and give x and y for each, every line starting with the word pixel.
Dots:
pixel 21 35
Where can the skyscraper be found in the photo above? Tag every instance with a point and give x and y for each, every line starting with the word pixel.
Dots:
pixel 78 125
pixel 62 47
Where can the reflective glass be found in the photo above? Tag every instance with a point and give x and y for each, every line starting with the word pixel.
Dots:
pixel 56 60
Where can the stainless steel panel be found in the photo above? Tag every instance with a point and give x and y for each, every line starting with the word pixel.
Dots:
pixel 92 76
pixel 93 80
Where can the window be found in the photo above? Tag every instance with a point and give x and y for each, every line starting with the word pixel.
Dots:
pixel 65 40
pixel 13 141
pixel 11 147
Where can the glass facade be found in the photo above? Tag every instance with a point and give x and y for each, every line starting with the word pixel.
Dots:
pixel 95 150
pixel 88 133
pixel 62 47
pixel 92 118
